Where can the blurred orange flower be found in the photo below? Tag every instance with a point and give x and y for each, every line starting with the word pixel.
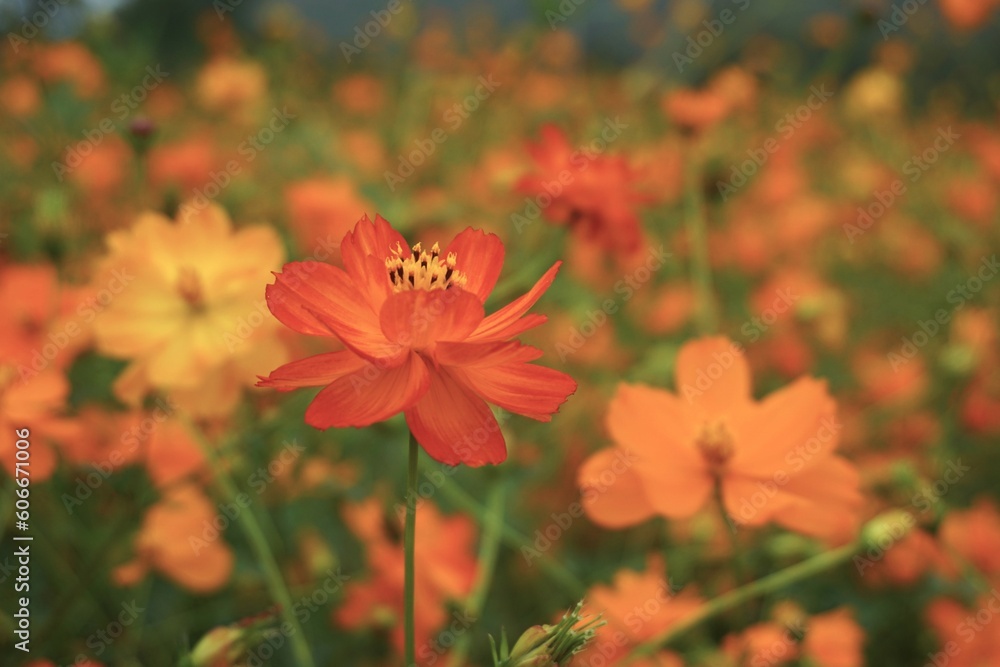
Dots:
pixel 227 84
pixel 975 535
pixel 180 539
pixel 321 211
pixel 594 194
pixel 187 309
pixel 834 639
pixel 773 459
pixel 418 341
pixel 444 549
pixel 637 607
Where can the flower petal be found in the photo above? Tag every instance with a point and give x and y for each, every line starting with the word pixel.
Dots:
pixel 455 426
pixel 480 257
pixel 792 428
pixel 612 493
pixel 369 395
pixel 506 323
pixel 321 300
pixel 713 373
pixel 656 425
pixel 364 251
pixel 420 318
pixel 500 374
pixel 314 371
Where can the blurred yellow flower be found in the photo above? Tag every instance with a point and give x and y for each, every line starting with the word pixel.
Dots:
pixel 187 309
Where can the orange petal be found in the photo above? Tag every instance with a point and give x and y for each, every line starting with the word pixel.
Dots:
pixel 455 426
pixel 480 257
pixel 419 318
pixel 613 494
pixel 793 428
pixel 498 372
pixel 823 501
pixel 506 322
pixel 314 371
pixel 364 251
pixel 369 395
pixel 712 373
pixel 321 300
pixel 656 425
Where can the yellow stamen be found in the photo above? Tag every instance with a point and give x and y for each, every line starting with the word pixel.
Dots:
pixel 423 270
pixel 715 443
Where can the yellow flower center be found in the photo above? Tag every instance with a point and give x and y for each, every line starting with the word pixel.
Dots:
pixel 190 288
pixel 715 443
pixel 423 270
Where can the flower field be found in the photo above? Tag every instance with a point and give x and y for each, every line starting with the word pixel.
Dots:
pixel 614 333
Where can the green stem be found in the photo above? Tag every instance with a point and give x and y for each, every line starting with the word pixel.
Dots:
pixel 734 598
pixel 258 542
pixel 515 539
pixel 408 542
pixel 701 272
pixel 488 551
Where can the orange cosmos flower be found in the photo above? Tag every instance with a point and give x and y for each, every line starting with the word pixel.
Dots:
pixel 179 539
pixel 593 193
pixel 445 550
pixel 418 341
pixel 186 308
pixel 637 606
pixel 773 459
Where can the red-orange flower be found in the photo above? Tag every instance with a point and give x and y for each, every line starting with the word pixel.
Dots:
pixel 773 459
pixel 418 341
pixel 594 194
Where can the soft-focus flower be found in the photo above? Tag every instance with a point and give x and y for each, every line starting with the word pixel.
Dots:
pixel 180 540
pixel 773 459
pixel 649 591
pixel 975 535
pixel 444 549
pixel 188 312
pixel 318 209
pixel 834 639
pixel 227 84
pixel 592 193
pixel 418 341
pixel 965 636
